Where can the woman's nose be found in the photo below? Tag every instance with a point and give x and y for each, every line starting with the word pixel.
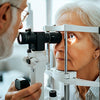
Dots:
pixel 21 25
pixel 60 46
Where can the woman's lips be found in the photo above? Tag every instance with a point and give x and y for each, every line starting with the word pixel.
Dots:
pixel 62 59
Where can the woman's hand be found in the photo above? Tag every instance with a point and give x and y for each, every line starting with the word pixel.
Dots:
pixel 32 92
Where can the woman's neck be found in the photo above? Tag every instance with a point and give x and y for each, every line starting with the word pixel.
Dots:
pixel 89 72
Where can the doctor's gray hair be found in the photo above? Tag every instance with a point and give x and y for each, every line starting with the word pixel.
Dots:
pixel 14 2
pixel 89 13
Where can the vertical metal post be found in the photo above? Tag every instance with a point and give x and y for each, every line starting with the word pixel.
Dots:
pixel 49 12
pixel 66 92
pixel 29 20
pixel 51 80
pixel 48 55
pixel 65 41
pixel 48 22
pixel 66 87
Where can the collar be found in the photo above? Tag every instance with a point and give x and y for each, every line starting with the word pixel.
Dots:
pixel 94 90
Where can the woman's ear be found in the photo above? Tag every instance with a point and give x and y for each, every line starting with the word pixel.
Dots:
pixel 3 14
pixel 96 54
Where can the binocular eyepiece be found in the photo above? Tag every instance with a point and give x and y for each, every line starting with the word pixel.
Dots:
pixel 37 40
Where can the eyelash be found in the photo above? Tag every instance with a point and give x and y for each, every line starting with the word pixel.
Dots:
pixel 71 34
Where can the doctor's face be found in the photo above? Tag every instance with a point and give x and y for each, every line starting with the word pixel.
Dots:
pixel 80 46
pixel 8 37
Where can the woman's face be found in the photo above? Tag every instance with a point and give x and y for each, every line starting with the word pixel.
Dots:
pixel 80 46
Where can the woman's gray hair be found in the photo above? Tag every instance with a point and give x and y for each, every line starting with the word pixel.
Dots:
pixel 89 13
pixel 14 2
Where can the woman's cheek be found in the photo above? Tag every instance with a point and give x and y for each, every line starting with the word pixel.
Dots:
pixel 54 52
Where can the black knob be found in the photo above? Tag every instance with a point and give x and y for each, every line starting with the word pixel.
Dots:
pixel 28 61
pixel 21 83
pixel 52 93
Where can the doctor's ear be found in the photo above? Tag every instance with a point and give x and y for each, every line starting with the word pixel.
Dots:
pixel 4 9
pixel 96 54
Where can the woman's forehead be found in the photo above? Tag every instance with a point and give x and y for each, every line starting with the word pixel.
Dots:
pixel 71 18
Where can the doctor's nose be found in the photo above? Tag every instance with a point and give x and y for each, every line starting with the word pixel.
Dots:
pixel 21 25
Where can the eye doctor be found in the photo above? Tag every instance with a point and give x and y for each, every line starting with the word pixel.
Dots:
pixel 10 23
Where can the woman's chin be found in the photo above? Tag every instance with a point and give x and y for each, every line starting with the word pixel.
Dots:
pixel 61 67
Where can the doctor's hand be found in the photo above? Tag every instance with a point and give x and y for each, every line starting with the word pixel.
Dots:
pixel 32 92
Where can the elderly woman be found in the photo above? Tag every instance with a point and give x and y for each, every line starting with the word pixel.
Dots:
pixel 83 47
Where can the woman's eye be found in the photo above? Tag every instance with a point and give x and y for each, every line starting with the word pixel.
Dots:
pixel 71 38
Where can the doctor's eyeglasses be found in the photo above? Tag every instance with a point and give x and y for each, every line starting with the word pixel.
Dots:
pixel 24 13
